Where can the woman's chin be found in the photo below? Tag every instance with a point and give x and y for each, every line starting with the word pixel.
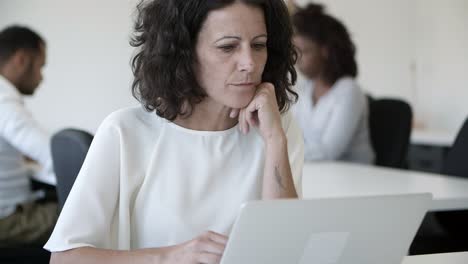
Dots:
pixel 241 102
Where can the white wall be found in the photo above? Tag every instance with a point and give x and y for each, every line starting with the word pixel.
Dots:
pixel 414 49
pixel 442 56
pixel 87 74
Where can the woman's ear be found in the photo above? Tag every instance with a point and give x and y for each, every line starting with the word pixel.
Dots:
pixel 324 52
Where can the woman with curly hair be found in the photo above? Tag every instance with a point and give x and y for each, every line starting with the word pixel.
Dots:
pixel 332 110
pixel 163 183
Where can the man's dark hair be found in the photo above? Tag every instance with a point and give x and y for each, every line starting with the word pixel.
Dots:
pixel 14 38
pixel 327 31
pixel 166 32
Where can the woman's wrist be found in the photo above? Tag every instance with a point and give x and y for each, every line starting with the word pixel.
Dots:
pixel 152 255
pixel 276 141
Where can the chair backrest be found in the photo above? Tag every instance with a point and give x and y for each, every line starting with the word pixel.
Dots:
pixel 24 254
pixel 390 129
pixel 456 162
pixel 69 149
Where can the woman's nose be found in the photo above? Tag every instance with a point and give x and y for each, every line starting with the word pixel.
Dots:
pixel 246 61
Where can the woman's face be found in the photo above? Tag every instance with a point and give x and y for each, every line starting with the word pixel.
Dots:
pixel 231 52
pixel 311 56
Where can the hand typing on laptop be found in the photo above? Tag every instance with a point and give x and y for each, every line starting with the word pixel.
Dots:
pixel 206 248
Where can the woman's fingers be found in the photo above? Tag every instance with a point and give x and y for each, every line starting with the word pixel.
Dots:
pixel 250 115
pixel 206 248
pixel 244 126
pixel 219 238
pixel 212 247
pixel 234 113
pixel 208 258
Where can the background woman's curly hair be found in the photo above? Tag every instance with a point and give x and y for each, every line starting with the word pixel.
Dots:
pixel 166 33
pixel 313 23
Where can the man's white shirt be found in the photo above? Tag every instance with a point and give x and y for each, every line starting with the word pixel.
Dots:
pixel 20 135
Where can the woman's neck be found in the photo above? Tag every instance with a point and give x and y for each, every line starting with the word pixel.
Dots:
pixel 321 87
pixel 207 116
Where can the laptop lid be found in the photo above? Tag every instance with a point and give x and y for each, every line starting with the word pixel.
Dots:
pixel 361 230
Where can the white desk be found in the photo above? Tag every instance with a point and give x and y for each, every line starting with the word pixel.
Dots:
pixel 339 179
pixel 448 258
pixel 432 137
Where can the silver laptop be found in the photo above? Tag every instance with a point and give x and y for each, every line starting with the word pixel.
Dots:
pixel 357 230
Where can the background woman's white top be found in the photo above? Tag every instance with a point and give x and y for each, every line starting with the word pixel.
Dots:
pixel 336 128
pixel 147 182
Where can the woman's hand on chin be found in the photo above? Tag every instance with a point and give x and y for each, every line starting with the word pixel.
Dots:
pixel 262 112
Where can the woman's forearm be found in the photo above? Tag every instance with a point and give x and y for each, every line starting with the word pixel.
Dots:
pixel 277 179
pixel 92 255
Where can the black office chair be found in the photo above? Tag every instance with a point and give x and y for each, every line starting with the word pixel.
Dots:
pixel 24 255
pixel 69 149
pixel 390 129
pixel 447 231
pixel 456 164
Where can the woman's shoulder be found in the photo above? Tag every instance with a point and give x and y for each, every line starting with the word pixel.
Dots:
pixel 302 84
pixel 346 82
pixel 347 86
pixel 131 116
pixel 131 119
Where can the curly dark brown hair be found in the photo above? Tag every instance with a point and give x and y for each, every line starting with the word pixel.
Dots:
pixel 165 35
pixel 313 23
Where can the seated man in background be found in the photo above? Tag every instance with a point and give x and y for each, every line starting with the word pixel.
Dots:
pixel 25 218
pixel 332 109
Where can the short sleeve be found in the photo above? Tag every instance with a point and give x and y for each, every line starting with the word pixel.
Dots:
pixel 295 150
pixel 88 216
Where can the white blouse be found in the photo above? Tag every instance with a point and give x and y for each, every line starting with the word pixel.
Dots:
pixel 337 127
pixel 147 182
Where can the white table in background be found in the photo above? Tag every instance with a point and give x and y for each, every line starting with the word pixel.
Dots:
pixel 447 258
pixel 429 148
pixel 340 179
pixel 432 137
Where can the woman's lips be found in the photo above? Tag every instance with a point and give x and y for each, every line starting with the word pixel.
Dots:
pixel 250 84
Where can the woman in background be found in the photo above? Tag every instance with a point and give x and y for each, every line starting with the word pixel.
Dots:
pixel 332 110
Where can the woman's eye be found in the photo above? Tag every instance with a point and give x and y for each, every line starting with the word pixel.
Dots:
pixel 227 48
pixel 259 46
